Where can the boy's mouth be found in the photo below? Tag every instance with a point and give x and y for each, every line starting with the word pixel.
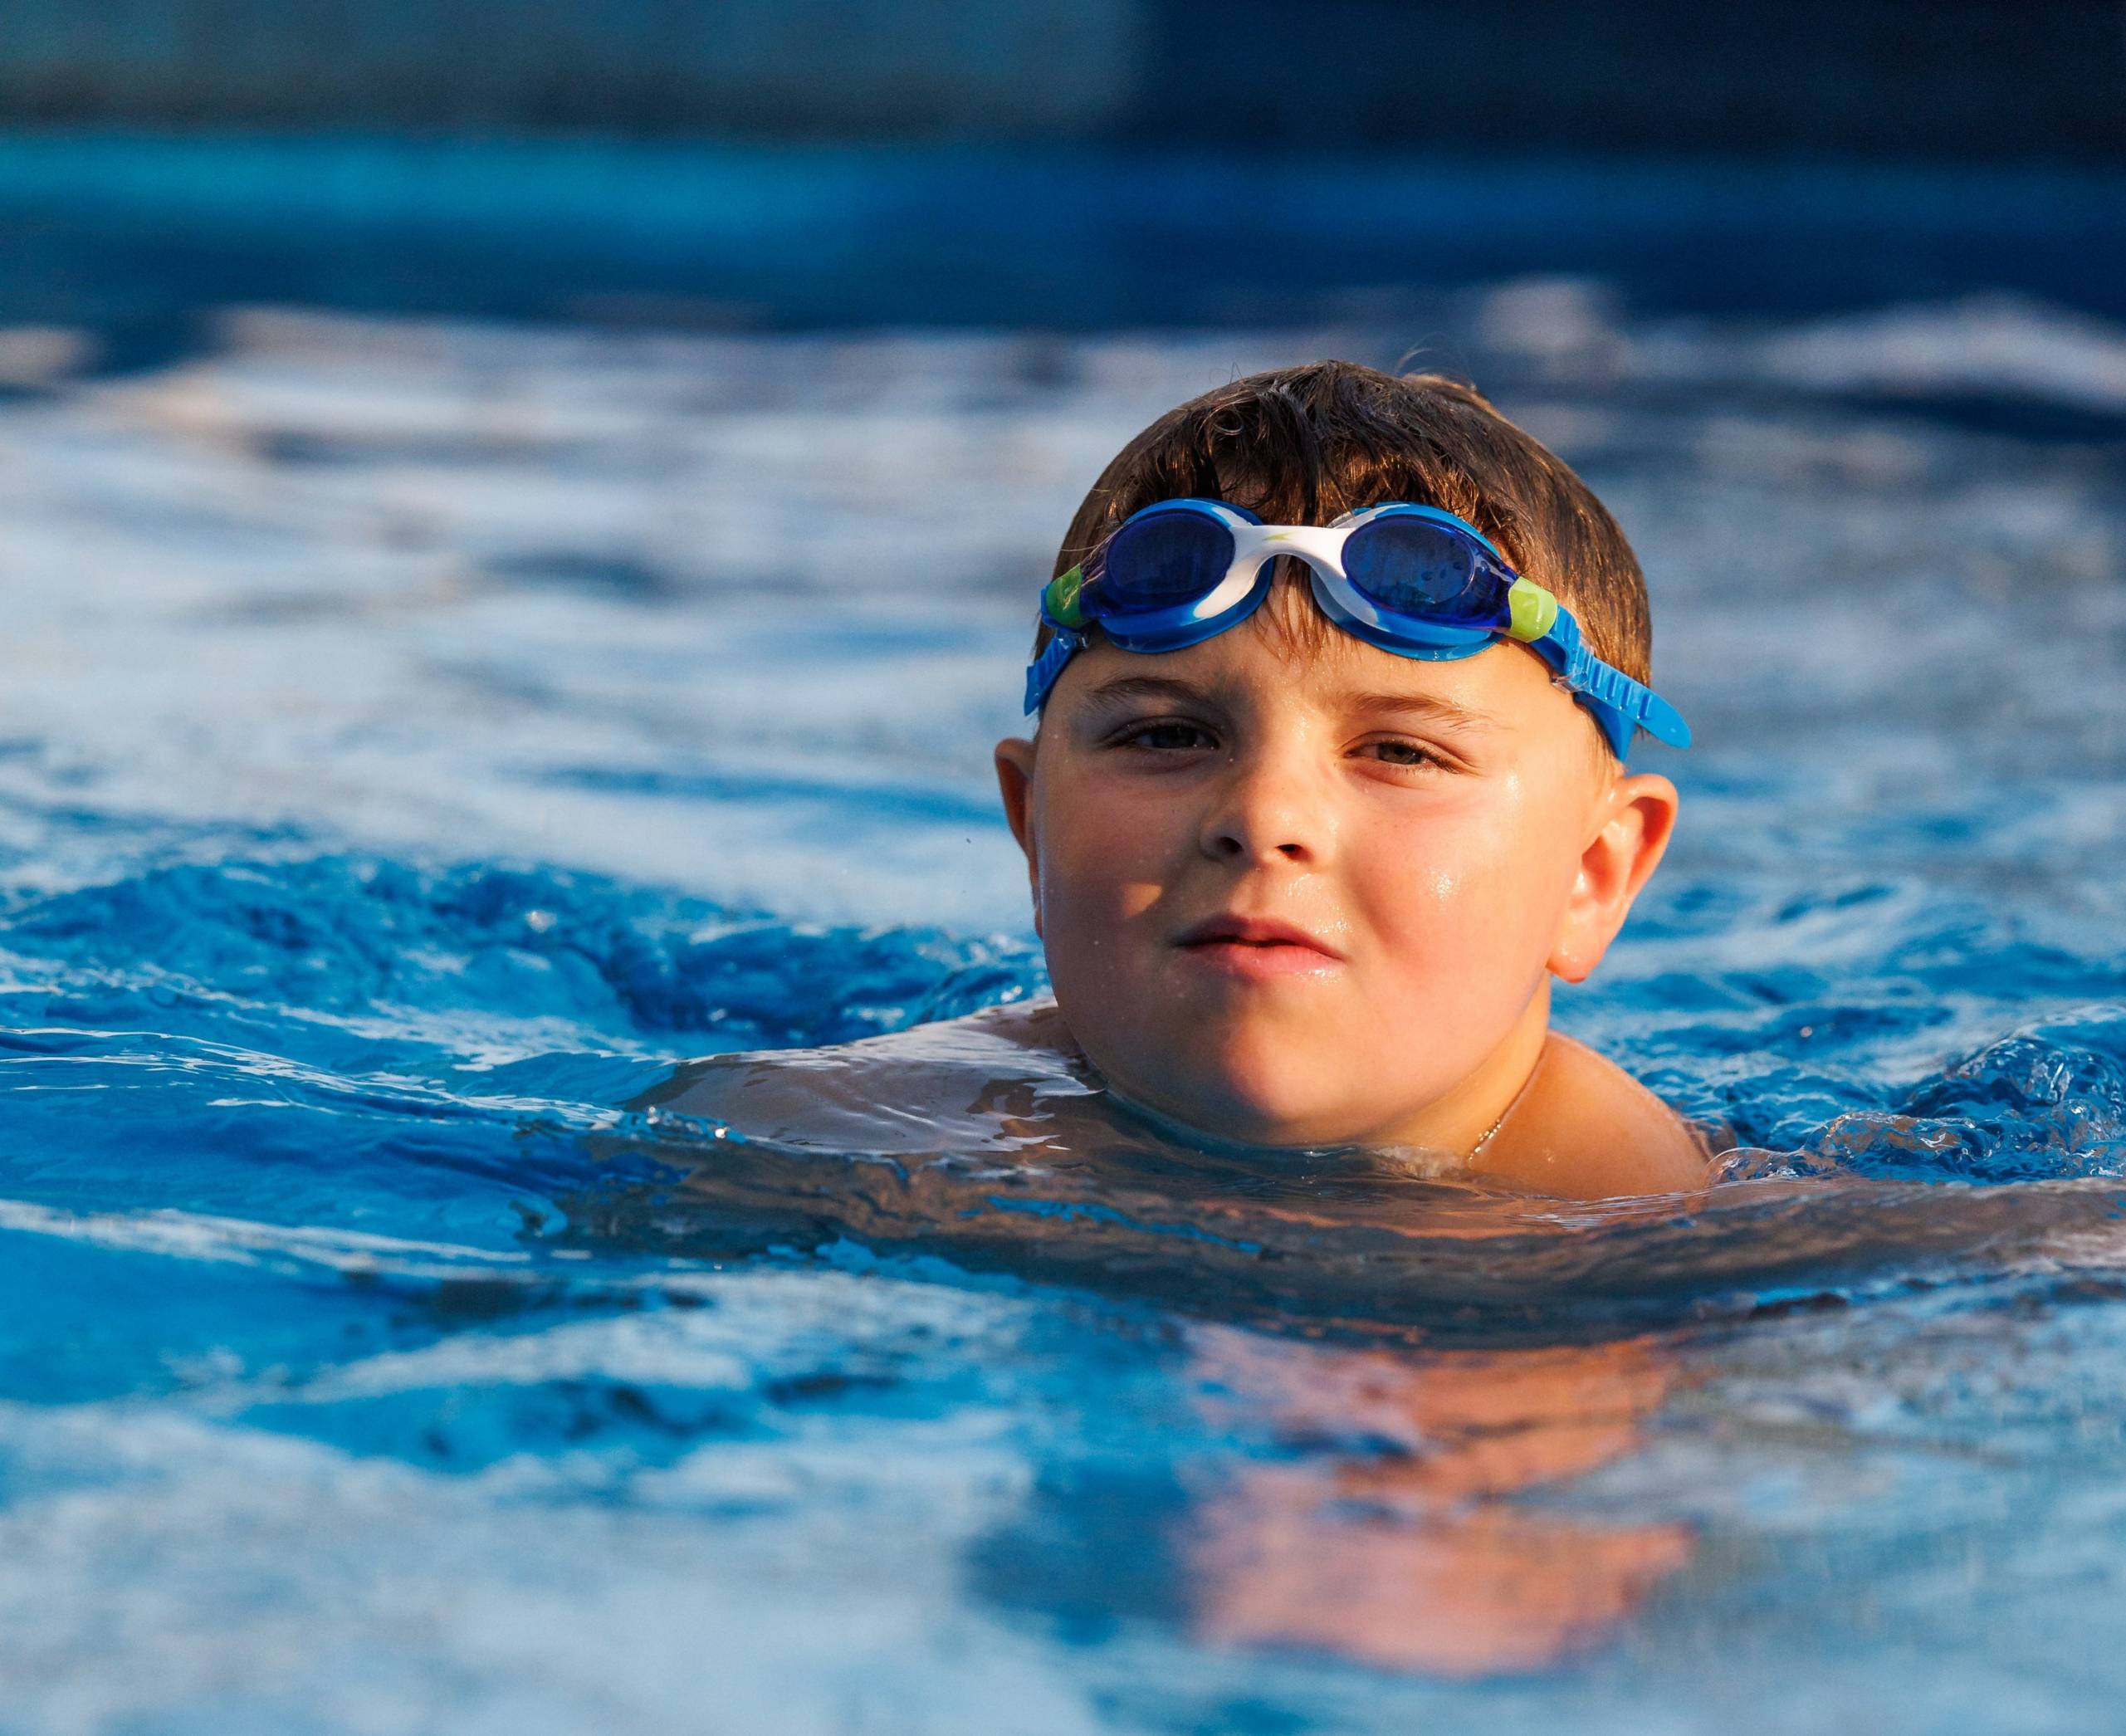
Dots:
pixel 1255 947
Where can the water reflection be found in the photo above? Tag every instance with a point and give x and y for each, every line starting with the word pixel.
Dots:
pixel 1399 1546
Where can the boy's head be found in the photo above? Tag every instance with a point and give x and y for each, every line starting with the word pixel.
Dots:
pixel 1296 889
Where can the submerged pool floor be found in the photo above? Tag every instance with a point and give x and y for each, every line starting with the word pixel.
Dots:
pixel 416 737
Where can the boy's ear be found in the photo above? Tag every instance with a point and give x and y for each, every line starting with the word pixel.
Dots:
pixel 1634 823
pixel 1014 782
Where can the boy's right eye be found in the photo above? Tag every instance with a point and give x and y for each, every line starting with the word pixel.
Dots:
pixel 1164 735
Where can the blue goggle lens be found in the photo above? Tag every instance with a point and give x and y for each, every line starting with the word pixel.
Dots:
pixel 1165 558
pixel 1415 567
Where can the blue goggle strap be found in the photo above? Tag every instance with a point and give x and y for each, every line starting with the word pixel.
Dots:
pixel 1042 672
pixel 1620 705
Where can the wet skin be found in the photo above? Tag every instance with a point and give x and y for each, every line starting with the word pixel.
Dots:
pixel 1295 891
pixel 1012 1083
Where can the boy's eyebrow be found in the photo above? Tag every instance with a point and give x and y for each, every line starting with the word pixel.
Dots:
pixel 1123 688
pixel 1444 710
pixel 1146 687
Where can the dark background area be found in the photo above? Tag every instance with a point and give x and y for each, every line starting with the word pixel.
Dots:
pixel 1954 79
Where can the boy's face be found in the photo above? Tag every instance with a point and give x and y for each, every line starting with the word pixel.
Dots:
pixel 1295 890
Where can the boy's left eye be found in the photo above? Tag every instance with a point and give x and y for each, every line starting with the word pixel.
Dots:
pixel 1397 752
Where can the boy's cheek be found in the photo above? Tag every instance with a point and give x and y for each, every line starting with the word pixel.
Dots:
pixel 1103 858
pixel 1096 908
pixel 1101 931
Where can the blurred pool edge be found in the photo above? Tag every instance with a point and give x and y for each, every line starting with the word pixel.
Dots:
pixel 119 228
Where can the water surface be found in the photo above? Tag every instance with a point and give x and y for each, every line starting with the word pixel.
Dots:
pixel 419 735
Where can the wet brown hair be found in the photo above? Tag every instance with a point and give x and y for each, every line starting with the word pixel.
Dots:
pixel 1303 445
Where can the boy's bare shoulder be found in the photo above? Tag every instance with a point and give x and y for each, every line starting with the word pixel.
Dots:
pixel 1587 1129
pixel 903 1090
pixel 1583 1128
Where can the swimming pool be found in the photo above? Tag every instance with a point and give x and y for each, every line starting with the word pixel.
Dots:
pixel 419 734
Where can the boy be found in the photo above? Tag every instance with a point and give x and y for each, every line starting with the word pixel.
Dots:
pixel 1334 683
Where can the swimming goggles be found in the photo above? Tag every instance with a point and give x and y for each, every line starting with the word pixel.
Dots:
pixel 1414 580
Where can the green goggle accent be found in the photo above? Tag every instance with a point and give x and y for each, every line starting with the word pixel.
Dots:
pixel 1532 609
pixel 1061 597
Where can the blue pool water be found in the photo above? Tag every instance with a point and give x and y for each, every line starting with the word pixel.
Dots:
pixel 417 736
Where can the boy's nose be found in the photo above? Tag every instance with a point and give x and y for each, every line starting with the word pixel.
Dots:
pixel 1270 809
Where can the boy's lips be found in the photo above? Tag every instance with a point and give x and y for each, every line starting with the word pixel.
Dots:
pixel 1256 947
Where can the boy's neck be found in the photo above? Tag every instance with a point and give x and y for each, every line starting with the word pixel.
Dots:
pixel 1474 1112
pixel 1464 1122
